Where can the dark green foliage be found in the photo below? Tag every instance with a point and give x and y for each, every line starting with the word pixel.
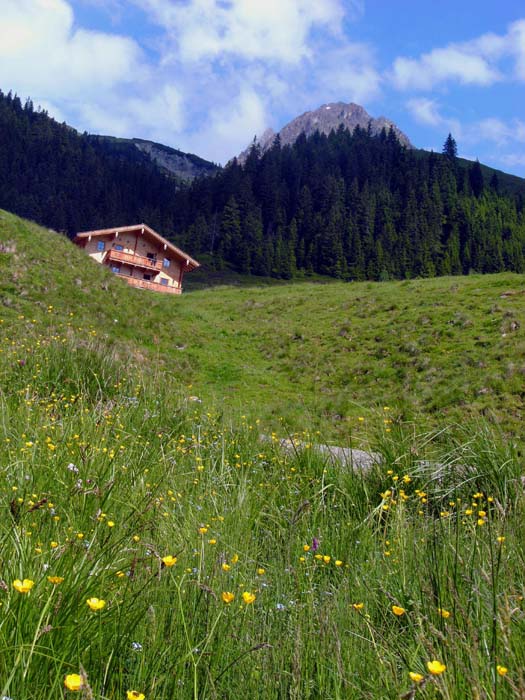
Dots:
pixel 351 206
pixel 354 206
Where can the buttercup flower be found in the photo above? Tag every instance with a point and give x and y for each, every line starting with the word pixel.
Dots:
pixel 358 606
pixel 96 603
pixel 23 586
pixel 416 677
pixel 502 670
pixel 397 610
pixel 169 560
pixel 55 580
pixel 248 597
pixel 74 682
pixel 444 613
pixel 436 667
pixel 227 597
pixel 134 695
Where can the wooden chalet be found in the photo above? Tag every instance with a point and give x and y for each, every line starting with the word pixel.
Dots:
pixel 139 255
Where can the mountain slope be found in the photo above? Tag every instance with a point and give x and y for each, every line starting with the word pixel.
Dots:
pixel 316 355
pixel 327 118
pixel 182 166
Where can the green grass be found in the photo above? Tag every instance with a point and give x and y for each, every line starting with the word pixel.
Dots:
pixel 130 431
pixel 436 351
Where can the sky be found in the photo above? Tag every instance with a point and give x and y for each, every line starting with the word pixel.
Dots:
pixel 206 76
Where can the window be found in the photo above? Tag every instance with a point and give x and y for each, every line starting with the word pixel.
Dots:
pixel 119 247
pixel 151 256
pixel 166 262
pixel 147 277
pixel 115 269
pixel 101 245
pixel 164 281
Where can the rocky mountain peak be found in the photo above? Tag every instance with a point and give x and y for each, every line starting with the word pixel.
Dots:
pixel 326 118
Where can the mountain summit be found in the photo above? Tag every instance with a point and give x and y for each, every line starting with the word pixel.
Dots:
pixel 326 119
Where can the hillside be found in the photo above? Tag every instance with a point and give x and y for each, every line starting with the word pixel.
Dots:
pixel 69 181
pixel 299 355
pixel 182 166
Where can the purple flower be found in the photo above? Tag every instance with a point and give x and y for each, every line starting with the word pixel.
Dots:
pixel 315 544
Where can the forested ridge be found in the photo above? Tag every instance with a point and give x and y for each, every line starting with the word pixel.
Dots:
pixel 347 205
pixel 357 206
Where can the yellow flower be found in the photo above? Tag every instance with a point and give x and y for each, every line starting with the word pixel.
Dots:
pixel 235 559
pixel 96 603
pixel 261 571
pixel 500 539
pixel 225 566
pixel 248 597
pixel 502 670
pixel 203 530
pixel 338 562
pixel 444 613
pixel 134 695
pixel 74 682
pixel 398 610
pixel 136 538
pixel 54 545
pixel 436 667
pixel 23 586
pixel 169 560
pixel 306 547
pixel 358 606
pixel 227 597
pixel 326 558
pixel 416 677
pixel 110 523
pixel 55 580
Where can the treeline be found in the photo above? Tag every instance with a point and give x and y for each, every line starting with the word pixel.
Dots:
pixel 71 182
pixel 355 206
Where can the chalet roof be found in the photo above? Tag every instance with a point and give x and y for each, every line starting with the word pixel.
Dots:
pixel 143 229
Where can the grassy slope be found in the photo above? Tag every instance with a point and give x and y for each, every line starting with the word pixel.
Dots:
pixel 318 355
pixel 106 470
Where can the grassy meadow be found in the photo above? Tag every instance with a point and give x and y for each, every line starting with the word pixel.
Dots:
pixel 153 546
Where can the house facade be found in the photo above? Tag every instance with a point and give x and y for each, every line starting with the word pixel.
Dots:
pixel 139 255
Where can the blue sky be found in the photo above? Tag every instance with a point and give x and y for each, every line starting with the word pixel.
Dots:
pixel 206 76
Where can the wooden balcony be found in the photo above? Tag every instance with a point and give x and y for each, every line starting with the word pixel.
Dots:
pixel 154 286
pixel 133 259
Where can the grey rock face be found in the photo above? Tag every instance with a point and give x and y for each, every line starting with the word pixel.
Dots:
pixel 324 120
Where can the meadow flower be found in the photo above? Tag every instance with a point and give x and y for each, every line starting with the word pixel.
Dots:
pixel 416 677
pixel 358 606
pixel 397 610
pixel 136 646
pixel 55 580
pixel 134 695
pixel 261 571
pixel 225 566
pixel 23 586
pixel 248 598
pixel 444 613
pixel 436 667
pixel 502 670
pixel 96 604
pixel 74 682
pixel 227 597
pixel 169 560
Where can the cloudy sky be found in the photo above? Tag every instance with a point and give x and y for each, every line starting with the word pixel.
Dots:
pixel 205 76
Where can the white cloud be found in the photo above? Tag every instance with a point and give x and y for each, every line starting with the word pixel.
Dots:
pixel 478 62
pixel 274 30
pixel 42 55
pixel 428 112
pixel 512 159
pixel 230 128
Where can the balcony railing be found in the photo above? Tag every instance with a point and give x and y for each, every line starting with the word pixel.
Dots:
pixel 154 286
pixel 133 259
